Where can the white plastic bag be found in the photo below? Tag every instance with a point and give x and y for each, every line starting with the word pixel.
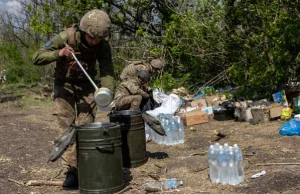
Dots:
pixel 169 106
pixel 158 95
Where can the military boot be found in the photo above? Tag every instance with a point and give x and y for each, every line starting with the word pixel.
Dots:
pixel 71 180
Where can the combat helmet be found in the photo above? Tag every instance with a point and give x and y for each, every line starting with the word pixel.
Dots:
pixel 144 75
pixel 157 63
pixel 95 23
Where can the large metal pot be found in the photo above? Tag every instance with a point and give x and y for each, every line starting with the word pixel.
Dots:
pixel 103 96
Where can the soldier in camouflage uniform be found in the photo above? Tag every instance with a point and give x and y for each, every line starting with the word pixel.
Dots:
pixel 73 93
pixel 130 93
pixel 131 70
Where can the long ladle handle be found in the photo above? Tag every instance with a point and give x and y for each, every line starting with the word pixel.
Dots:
pixel 87 75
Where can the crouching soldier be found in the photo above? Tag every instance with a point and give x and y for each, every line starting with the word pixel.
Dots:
pixel 129 94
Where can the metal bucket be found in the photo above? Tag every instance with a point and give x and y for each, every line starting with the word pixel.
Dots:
pixel 99 158
pixel 133 137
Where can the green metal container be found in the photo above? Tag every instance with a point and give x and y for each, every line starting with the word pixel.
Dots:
pixel 99 158
pixel 133 137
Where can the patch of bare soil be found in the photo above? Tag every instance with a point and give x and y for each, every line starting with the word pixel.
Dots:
pixel 27 136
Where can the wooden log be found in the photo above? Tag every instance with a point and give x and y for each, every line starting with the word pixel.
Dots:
pixel 44 183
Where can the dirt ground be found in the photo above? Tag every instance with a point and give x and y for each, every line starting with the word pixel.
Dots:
pixel 28 130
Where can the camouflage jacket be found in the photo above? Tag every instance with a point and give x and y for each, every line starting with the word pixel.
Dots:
pixel 130 87
pixel 66 70
pixel 130 71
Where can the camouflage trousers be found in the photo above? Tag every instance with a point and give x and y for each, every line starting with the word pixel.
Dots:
pixel 73 105
pixel 131 102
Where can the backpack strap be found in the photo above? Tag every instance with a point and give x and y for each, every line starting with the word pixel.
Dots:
pixel 71 34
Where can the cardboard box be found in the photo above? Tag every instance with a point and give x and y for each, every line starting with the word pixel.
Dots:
pixel 200 103
pixel 275 111
pixel 194 118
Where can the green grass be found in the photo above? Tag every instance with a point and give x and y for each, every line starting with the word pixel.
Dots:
pixel 30 101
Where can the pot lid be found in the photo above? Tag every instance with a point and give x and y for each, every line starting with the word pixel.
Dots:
pixel 97 125
pixel 63 143
pixel 126 112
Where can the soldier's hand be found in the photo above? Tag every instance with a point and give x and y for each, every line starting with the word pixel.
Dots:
pixel 65 52
pixel 149 89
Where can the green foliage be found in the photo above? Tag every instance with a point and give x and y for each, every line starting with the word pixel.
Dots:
pixel 195 43
pixel 51 17
pixel 16 66
pixel 262 42
pixel 169 82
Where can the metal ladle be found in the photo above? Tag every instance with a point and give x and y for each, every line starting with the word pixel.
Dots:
pixel 102 96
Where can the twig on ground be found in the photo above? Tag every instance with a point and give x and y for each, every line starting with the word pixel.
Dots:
pixel 155 177
pixel 270 164
pixel 124 190
pixel 201 169
pixel 200 153
pixel 17 182
pixel 56 175
pixel 157 165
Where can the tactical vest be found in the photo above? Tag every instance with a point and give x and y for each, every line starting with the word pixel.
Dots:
pixel 67 69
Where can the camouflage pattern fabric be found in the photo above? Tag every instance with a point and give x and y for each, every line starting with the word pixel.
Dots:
pixel 66 71
pixel 129 95
pixel 66 98
pixel 130 71
pixel 131 102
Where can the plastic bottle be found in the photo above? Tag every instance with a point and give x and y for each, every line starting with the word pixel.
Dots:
pixel 158 138
pixel 226 147
pixel 239 161
pixel 222 160
pixel 180 130
pixel 148 132
pixel 213 166
pixel 164 185
pixel 167 139
pixel 216 145
pixel 232 167
pixel 174 131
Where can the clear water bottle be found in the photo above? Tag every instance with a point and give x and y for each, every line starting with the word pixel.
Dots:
pixel 232 167
pixel 180 130
pixel 222 160
pixel 216 146
pixel 164 185
pixel 167 128
pixel 148 133
pixel 213 166
pixel 158 138
pixel 239 161
pixel 226 147
pixel 174 131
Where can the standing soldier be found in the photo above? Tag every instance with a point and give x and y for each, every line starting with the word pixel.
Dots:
pixel 131 70
pixel 130 93
pixel 73 93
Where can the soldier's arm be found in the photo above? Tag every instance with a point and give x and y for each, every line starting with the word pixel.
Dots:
pixel 49 52
pixel 106 67
pixel 135 89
